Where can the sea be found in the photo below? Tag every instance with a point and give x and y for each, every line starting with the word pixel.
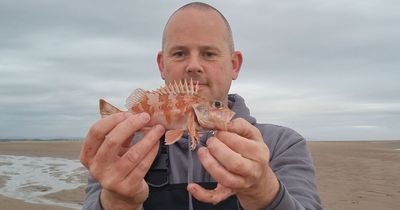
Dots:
pixel 33 179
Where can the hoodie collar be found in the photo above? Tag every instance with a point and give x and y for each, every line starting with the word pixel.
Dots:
pixel 236 103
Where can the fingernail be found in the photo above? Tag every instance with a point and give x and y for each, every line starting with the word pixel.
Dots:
pixel 158 127
pixel 212 133
pixel 209 139
pixel 202 151
pixel 144 117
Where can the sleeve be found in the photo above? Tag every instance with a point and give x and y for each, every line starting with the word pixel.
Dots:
pixel 92 198
pixel 292 163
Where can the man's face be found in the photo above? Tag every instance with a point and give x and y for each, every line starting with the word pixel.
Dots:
pixel 196 46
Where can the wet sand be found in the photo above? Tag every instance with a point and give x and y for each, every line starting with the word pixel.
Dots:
pixel 62 149
pixel 350 175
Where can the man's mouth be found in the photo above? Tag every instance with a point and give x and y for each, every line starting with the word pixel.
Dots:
pixel 198 81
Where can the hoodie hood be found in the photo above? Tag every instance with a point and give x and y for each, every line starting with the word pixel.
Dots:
pixel 236 103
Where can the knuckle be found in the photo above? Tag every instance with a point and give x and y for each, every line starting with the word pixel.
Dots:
pixel 264 149
pixel 228 181
pixel 212 164
pixel 108 184
pixel 95 132
pixel 132 156
pixel 257 174
pixel 233 182
pixel 135 188
pixel 133 123
pixel 110 141
pixel 142 166
pixel 83 157
pixel 95 173
pixel 237 166
pixel 248 185
pixel 240 121
pixel 84 161
pixel 215 200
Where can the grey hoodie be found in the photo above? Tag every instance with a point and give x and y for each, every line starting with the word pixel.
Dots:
pixel 289 159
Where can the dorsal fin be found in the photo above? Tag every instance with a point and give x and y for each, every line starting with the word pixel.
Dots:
pixel 135 98
pixel 179 88
pixel 171 89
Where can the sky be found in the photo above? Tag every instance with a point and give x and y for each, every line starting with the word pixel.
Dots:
pixel 328 69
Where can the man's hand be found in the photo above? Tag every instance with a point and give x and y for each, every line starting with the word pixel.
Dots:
pixel 118 166
pixel 238 159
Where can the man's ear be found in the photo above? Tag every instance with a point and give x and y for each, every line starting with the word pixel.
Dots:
pixel 160 63
pixel 237 60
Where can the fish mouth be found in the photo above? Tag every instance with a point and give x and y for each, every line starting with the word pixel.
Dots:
pixel 208 119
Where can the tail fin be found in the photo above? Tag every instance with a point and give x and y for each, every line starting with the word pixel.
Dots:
pixel 107 109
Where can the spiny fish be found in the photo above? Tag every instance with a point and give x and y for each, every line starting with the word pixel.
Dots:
pixel 179 108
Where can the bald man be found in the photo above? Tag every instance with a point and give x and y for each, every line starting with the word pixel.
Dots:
pixel 249 166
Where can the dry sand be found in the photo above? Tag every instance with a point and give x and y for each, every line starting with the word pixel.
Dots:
pixel 351 175
pixel 358 175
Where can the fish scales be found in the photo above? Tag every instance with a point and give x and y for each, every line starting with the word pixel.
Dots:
pixel 179 108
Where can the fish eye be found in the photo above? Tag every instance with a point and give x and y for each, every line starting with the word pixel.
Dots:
pixel 217 104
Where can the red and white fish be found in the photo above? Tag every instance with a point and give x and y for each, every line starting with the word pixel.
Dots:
pixel 179 108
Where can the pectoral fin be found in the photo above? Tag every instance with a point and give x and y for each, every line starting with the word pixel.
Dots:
pixel 194 136
pixel 172 136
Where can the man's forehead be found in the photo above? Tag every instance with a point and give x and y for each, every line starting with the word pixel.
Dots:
pixel 195 15
pixel 193 20
pixel 199 24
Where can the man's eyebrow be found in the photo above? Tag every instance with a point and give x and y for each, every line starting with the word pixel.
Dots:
pixel 178 47
pixel 204 47
pixel 210 47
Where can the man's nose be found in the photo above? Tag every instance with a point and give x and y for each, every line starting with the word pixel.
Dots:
pixel 194 65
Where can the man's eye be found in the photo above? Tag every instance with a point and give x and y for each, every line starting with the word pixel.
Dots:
pixel 209 54
pixel 178 54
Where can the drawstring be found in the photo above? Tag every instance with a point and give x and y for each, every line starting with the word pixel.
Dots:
pixel 190 172
pixel 201 143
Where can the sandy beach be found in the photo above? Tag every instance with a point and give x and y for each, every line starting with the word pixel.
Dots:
pixel 350 175
pixel 358 175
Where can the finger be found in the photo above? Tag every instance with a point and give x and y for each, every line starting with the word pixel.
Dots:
pixel 247 148
pixel 128 141
pixel 214 196
pixel 123 150
pixel 217 171
pixel 113 141
pixel 245 129
pixel 138 152
pixel 229 159
pixel 125 146
pixel 96 135
pixel 141 169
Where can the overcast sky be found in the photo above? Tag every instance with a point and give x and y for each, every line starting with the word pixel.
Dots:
pixel 328 69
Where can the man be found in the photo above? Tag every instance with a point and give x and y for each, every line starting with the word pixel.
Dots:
pixel 256 166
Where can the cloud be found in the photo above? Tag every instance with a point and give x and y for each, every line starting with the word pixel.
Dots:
pixel 327 69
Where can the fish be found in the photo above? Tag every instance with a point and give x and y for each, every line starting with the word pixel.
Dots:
pixel 179 108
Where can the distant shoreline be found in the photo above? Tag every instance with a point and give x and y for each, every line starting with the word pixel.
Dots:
pixel 39 139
